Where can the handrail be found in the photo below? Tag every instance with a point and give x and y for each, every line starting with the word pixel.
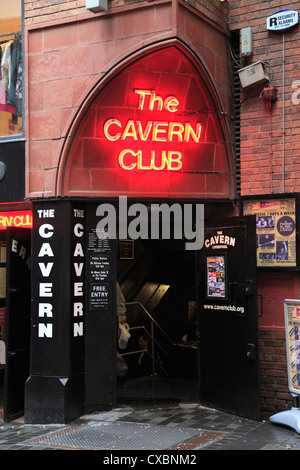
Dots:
pixel 151 318
pixel 151 336
pixel 154 361
pixel 147 352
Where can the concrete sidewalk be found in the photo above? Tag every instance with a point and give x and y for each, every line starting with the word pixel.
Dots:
pixel 160 427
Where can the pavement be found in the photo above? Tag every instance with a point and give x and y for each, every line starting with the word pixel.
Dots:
pixel 133 432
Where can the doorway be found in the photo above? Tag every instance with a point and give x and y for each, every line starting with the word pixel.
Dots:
pixel 157 278
pixel 15 284
pixel 199 313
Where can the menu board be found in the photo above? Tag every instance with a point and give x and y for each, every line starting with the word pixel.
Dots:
pixel 275 231
pixel 99 271
pixel 292 329
pixel 216 276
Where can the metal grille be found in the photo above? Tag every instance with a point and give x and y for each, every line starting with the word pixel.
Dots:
pixel 118 436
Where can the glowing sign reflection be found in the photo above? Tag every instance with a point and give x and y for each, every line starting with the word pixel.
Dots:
pixel 15 219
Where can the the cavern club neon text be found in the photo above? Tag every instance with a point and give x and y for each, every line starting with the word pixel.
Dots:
pixel 152 131
pixel 15 219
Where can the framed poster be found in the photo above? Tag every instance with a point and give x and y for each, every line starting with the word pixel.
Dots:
pixel 216 276
pixel 275 231
pixel 126 249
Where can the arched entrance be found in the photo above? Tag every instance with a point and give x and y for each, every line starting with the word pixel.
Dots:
pixel 153 132
pixel 155 129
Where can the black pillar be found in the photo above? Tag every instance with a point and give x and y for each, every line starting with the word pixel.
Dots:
pixel 54 391
pixel 101 317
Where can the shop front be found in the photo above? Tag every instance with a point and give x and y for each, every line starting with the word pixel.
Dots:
pixel 146 170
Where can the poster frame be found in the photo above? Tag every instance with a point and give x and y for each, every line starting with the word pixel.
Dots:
pixel 270 197
pixel 216 297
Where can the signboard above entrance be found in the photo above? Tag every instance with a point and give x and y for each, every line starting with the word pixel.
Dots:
pixel 282 21
pixel 155 130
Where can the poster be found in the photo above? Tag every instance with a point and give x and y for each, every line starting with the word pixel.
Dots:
pixel 292 328
pixel 216 276
pixel 126 249
pixel 275 231
pixel 100 271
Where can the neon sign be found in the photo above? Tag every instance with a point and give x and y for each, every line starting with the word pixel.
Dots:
pixel 15 219
pixel 158 131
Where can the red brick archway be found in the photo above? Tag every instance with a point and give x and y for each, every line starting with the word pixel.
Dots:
pixel 155 129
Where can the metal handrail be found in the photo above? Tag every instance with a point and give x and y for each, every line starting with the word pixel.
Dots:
pixel 154 342
pixel 147 352
pixel 151 337
pixel 151 318
pixel 154 361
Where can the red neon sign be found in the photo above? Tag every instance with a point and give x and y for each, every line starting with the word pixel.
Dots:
pixel 15 219
pixel 136 130
pixel 153 130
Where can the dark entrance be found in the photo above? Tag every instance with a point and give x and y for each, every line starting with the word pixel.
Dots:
pixel 157 278
pixel 18 243
pixel 228 364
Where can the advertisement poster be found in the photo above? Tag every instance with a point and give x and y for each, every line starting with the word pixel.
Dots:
pixel 275 231
pixel 292 328
pixel 216 276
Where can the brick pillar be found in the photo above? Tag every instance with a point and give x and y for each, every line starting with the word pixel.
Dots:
pixel 274 390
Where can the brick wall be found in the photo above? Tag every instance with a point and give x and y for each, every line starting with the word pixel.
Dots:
pixel 274 392
pixel 67 56
pixel 50 10
pixel 43 11
pixel 270 142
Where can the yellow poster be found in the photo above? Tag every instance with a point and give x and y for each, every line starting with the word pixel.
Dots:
pixel 275 231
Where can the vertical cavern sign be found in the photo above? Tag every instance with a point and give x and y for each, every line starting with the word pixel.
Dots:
pixel 57 323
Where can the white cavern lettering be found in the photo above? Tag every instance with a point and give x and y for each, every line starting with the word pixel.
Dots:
pixel 78 290
pixel 45 250
pixel 78 250
pixel 46 269
pixel 45 309
pixel 78 268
